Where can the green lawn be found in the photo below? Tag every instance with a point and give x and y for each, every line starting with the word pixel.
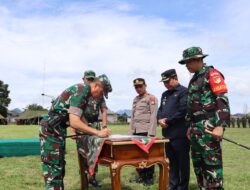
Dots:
pixel 25 172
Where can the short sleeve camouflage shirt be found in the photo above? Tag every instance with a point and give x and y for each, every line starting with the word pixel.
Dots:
pixel 73 100
pixel 93 107
pixel 202 99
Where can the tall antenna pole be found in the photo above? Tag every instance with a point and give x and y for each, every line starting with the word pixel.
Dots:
pixel 43 84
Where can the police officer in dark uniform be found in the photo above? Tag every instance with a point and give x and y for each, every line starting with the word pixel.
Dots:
pixel 171 117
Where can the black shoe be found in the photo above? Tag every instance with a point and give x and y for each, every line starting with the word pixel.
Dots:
pixel 94 182
pixel 148 182
pixel 136 180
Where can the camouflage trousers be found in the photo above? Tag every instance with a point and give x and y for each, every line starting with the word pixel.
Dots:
pixel 52 141
pixel 79 143
pixel 207 158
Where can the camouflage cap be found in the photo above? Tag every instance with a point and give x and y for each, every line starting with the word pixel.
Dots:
pixel 106 84
pixel 89 74
pixel 192 53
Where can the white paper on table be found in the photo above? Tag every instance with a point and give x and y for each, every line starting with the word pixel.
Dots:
pixel 118 136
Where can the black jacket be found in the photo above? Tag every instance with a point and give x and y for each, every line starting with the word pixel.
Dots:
pixel 173 107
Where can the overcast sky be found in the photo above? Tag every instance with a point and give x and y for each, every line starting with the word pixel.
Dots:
pixel 46 45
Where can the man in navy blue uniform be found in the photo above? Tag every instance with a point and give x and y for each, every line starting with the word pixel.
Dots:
pixel 171 117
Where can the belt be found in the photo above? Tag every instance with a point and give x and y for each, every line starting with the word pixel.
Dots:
pixel 202 116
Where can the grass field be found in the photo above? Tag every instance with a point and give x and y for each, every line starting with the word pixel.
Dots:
pixel 25 172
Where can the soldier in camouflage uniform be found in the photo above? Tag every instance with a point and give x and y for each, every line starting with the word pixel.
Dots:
pixel 91 114
pixel 244 121
pixel 67 109
pixel 94 105
pixel 88 77
pixel 232 122
pixel 207 109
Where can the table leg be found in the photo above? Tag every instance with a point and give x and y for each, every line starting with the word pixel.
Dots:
pixel 163 178
pixel 83 174
pixel 115 169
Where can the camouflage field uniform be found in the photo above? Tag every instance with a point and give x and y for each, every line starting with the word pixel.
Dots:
pixel 208 107
pixel 92 110
pixel 53 131
pixel 91 113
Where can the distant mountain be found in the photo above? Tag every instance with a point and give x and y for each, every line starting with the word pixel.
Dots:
pixel 127 111
pixel 238 114
pixel 16 110
pixel 109 112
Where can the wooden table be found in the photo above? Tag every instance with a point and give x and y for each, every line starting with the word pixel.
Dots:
pixel 116 154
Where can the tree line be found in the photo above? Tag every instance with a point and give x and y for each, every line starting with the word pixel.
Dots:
pixel 4 98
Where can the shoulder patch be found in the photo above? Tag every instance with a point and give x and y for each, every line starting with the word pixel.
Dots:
pixel 217 83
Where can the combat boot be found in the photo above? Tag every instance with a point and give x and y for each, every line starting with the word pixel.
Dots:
pixel 139 179
pixel 136 180
pixel 148 180
pixel 94 182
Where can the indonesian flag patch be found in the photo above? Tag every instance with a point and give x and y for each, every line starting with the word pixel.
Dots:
pixel 217 83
